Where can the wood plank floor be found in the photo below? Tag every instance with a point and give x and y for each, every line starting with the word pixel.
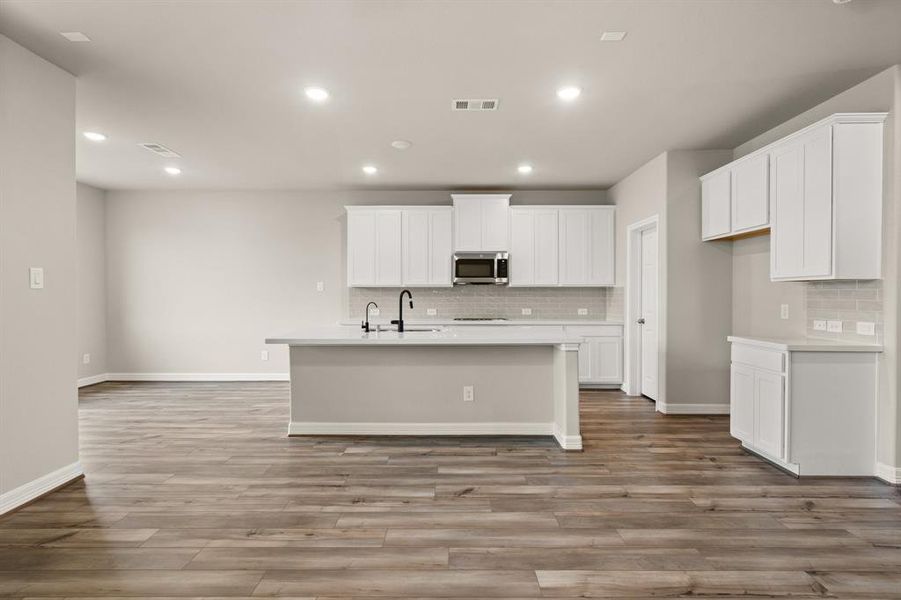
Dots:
pixel 195 490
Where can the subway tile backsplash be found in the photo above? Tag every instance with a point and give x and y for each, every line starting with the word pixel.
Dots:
pixel 486 301
pixel 846 301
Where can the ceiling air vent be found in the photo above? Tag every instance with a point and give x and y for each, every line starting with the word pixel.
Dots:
pixel 161 150
pixel 469 105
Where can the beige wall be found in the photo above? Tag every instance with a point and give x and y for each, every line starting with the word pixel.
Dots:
pixel 698 288
pixel 38 410
pixel 757 298
pixel 90 233
pixel 639 196
pixel 197 280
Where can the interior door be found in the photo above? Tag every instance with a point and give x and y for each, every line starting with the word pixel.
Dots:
pixel 648 313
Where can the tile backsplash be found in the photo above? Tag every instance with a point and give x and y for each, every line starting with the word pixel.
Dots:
pixel 486 301
pixel 846 301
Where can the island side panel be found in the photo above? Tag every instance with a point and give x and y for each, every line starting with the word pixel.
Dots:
pixel 404 390
pixel 566 396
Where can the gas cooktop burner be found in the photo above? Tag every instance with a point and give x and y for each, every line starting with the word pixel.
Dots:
pixel 479 319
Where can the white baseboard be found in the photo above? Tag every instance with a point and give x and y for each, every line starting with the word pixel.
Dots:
pixel 40 486
pixel 503 428
pixel 568 442
pixel 888 473
pixel 197 377
pixel 92 379
pixel 693 409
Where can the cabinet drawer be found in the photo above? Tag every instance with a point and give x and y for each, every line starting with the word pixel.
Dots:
pixel 595 330
pixel 761 358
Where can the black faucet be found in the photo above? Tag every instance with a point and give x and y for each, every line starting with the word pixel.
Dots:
pixel 365 324
pixel 400 310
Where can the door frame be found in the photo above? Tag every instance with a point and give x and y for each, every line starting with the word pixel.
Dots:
pixel 632 337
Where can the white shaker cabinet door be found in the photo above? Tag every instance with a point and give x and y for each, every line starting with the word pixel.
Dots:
pixel 606 359
pixel 750 194
pixel 522 247
pixel 801 242
pixel 468 226
pixel 716 205
pixel 441 247
pixel 769 413
pixel 575 230
pixel 495 224
pixel 741 409
pixel 388 248
pixel 416 236
pixel 545 251
pixel 360 248
pixel 601 269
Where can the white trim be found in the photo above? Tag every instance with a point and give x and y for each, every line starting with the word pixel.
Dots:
pixel 693 409
pixel 568 442
pixel 888 473
pixel 198 377
pixel 35 489
pixel 93 379
pixel 356 428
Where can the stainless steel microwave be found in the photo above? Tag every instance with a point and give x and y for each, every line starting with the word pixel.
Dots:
pixel 486 268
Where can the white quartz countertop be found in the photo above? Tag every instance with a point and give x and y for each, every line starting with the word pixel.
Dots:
pixel 450 322
pixel 474 336
pixel 805 344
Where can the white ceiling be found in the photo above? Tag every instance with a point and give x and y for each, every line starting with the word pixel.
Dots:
pixel 222 84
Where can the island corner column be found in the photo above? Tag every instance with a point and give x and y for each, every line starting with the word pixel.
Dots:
pixel 566 396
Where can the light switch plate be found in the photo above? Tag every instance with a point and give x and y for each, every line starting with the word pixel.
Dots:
pixel 819 325
pixel 85 359
pixel 783 311
pixel 264 355
pixel 834 326
pixel 866 328
pixel 431 312
pixel 36 278
pixel 582 311
pixel 527 311
pixel 320 286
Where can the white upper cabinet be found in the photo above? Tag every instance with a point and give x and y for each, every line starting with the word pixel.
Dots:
pixel 533 246
pixel 826 194
pixel 481 222
pixel 389 246
pixel 716 205
pixel 427 246
pixel 735 198
pixel 586 246
pixel 373 247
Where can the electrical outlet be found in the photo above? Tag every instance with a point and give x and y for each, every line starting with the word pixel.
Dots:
pixel 582 311
pixel 866 328
pixel 468 393
pixel 783 311
pixel 431 312
pixel 834 326
pixel 86 359
pixel 527 311
pixel 264 355
pixel 819 325
pixel 320 286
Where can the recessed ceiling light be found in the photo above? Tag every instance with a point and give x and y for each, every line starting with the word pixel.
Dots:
pixel 370 170
pixel 568 93
pixel 613 36
pixel 524 169
pixel 173 171
pixel 401 144
pixel 316 94
pixel 75 36
pixel 94 136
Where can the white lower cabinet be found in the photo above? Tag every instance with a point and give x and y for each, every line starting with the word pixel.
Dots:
pixel 601 354
pixel 809 410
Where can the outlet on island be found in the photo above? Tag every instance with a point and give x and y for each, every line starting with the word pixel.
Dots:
pixel 527 311
pixel 468 393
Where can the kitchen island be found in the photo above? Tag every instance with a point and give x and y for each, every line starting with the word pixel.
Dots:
pixel 435 381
